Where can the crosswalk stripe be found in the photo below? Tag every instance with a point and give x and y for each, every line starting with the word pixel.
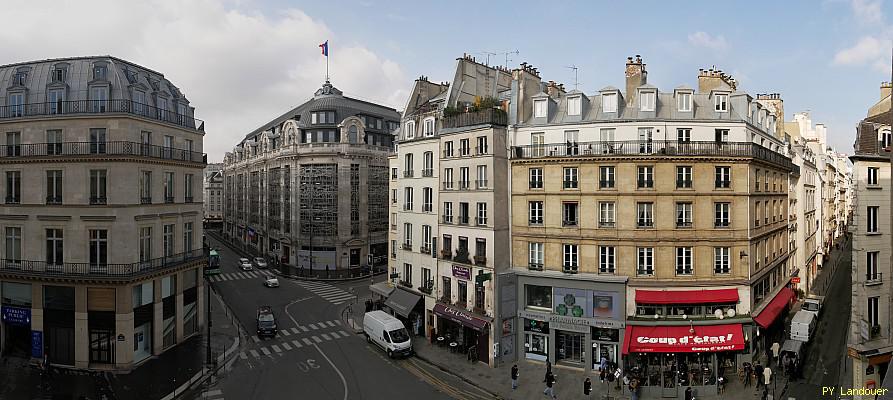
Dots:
pixel 210 393
pixel 330 323
pixel 313 326
pixel 337 302
pixel 285 332
pixel 309 343
pixel 253 274
pixel 265 351
pixel 303 328
pixel 255 339
pixel 296 343
pixel 276 348
pixel 243 275
pixel 294 330
pixel 254 353
pixel 324 336
pixel 286 346
pixel 242 355
pixel 338 322
pixel 317 339
pixel 328 291
pixel 340 298
pixel 343 333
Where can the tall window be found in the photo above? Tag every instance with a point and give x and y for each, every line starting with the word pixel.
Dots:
pixel 683 135
pixel 428 128
pixel 447 178
pixel 13 244
pixel 482 147
pixel 684 177
pixel 606 177
pixel 683 101
pixel 464 177
pixel 873 175
pixel 427 164
pixel 146 187
pixel 168 240
pixel 187 237
pixel 55 250
pixel 645 140
pixel 54 142
pixel 463 213
pixel 448 212
pixel 609 102
pixel 606 259
pixel 721 135
pixel 464 147
pixel 571 213
pixel 536 178
pixel 145 243
pixel 646 100
pixel 646 177
pixel 410 129
pixel 683 261
pixel 536 212
pixel 97 186
pixel 872 219
pixel 97 141
pixel 537 144
pixel 187 187
pixel 574 105
pixel 606 136
pixel 539 108
pixel 606 214
pixel 873 313
pixel 722 210
pixel 570 178
pixel 572 145
pixel 407 235
pixel 871 272
pixel 724 177
pixel 482 177
pixel 426 238
pixel 535 255
pixel 427 199
pixel 570 258
pixel 167 145
pixel 482 214
pixel 407 165
pixel 645 215
pixel 168 187
pixel 99 247
pixel 13 187
pixel 646 261
pixel 54 187
pixel 721 103
pixel 99 97
pixel 13 144
pixel 407 199
pixel 683 215
pixel 721 261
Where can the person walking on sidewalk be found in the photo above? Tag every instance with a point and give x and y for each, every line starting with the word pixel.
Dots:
pixel 767 375
pixel 775 348
pixel 587 387
pixel 514 376
pixel 689 395
pixel 548 370
pixel 550 383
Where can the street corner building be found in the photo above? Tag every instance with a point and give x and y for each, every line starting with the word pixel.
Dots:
pixel 102 164
pixel 649 227
pixel 310 187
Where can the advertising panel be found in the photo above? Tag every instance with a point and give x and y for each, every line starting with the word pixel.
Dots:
pixel 572 302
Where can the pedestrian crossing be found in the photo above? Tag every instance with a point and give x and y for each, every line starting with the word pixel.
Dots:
pixel 282 334
pixel 233 276
pixel 328 292
pixel 215 394
pixel 284 345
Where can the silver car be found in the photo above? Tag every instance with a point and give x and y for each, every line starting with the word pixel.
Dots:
pixel 260 263
pixel 245 264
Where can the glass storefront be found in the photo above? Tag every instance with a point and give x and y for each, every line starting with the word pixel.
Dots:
pixel 569 348
pixel 604 345
pixel 536 340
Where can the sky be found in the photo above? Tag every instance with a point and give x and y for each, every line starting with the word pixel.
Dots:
pixel 242 63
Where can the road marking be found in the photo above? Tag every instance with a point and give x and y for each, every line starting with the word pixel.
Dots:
pixel 254 353
pixel 317 339
pixel 330 323
pixel 338 322
pixel 255 339
pixel 326 337
pixel 217 392
pixel 294 330
pixel 304 328
pixel 286 346
pixel 265 351
pixel 242 355
pixel 296 343
pixel 276 348
pixel 308 342
pixel 313 326
pixel 343 333
pixel 285 332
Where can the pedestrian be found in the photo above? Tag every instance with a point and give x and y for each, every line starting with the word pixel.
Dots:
pixel 550 383
pixel 747 372
pixel 689 395
pixel 765 395
pixel 587 387
pixel 767 375
pixel 601 375
pixel 603 363
pixel 775 348
pixel 634 389
pixel 758 370
pixel 548 370
pixel 514 376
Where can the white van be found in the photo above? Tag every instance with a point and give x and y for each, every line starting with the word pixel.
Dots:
pixel 387 332
pixel 803 325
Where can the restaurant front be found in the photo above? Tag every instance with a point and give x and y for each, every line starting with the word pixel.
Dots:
pixel 463 331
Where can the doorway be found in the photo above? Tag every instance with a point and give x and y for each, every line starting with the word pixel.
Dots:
pixel 570 348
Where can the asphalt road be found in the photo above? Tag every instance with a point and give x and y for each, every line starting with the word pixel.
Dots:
pixel 825 358
pixel 315 356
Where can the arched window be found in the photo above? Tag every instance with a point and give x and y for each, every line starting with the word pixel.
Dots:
pixel 352 134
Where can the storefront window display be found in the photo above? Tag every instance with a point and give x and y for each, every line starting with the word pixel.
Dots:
pixel 536 339
pixel 569 347
pixel 539 296
pixel 604 345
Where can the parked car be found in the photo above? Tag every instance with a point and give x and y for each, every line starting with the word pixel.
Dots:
pixel 813 304
pixel 266 322
pixel 803 326
pixel 260 263
pixel 387 332
pixel 271 281
pixel 245 264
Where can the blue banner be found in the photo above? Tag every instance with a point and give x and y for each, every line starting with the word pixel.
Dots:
pixel 37 344
pixel 16 315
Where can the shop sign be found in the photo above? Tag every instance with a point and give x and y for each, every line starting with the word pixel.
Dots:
pixel 572 324
pixel 531 325
pixel 795 279
pixel 605 334
pixel 16 316
pixel 696 343
pixel 462 272
pixel 36 344
pixel 533 315
pixel 557 319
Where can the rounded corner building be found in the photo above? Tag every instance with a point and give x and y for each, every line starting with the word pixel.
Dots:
pixel 102 220
pixel 310 188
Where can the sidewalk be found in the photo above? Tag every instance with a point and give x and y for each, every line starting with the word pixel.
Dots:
pixel 155 379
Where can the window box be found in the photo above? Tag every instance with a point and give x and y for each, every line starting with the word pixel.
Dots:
pixel 462 256
pixel 425 250
pixel 535 267
pixel 406 283
pixel 480 260
pixel 446 254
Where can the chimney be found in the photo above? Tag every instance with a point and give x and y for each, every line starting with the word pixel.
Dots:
pixel 711 79
pixel 554 89
pixel 635 76
pixel 886 89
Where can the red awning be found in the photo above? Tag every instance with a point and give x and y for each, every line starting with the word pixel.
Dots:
pixel 686 296
pixel 679 338
pixel 768 315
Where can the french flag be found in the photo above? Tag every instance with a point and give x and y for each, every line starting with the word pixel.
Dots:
pixel 325 48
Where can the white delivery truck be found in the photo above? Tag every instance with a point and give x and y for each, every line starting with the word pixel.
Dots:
pixel 387 332
pixel 813 304
pixel 803 325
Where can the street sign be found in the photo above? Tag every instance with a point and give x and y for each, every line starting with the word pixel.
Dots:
pixel 36 344
pixel 795 279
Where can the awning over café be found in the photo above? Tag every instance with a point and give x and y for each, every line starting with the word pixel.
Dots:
pixel 698 296
pixel 402 302
pixel 461 316
pixel 683 338
pixel 381 288
pixel 771 312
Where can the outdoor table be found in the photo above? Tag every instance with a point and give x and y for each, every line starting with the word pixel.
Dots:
pixel 440 341
pixel 454 346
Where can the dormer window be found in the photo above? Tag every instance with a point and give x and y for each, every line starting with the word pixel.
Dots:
pixel 539 108
pixel 19 78
pixel 410 130
pixel 58 75
pixel 886 139
pixel 646 101
pixel 100 72
pixel 322 117
pixel 609 102
pixel 683 101
pixel 762 119
pixel 428 127
pixel 721 103
pixel 574 105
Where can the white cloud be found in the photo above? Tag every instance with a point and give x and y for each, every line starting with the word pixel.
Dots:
pixel 868 50
pixel 239 67
pixel 868 11
pixel 704 39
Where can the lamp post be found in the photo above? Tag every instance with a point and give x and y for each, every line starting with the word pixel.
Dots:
pixel 208 323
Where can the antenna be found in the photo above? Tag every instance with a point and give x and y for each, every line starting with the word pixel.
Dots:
pixel 507 59
pixel 488 54
pixel 501 53
pixel 576 81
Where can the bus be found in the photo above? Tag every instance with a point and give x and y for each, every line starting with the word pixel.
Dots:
pixel 213 263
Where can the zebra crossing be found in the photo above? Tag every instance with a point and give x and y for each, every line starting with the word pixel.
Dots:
pixel 328 292
pixel 283 344
pixel 283 334
pixel 232 276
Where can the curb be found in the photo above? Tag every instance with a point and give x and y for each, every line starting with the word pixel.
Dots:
pixel 460 377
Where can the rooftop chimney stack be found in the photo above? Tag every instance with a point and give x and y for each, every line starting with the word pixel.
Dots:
pixel 635 76
pixel 712 79
pixel 886 89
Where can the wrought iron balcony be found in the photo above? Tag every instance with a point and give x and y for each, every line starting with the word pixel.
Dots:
pixel 606 224
pixel 113 148
pixel 683 183
pixel 427 172
pixel 146 200
pixel 187 199
pixel 54 199
pixel 872 279
pixel 91 271
pixel 492 116
pixel 606 184
pixel 114 106
pixel 98 200
pixel 683 224
pixel 168 199
pixel 13 199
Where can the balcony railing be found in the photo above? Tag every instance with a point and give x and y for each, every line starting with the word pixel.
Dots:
pixel 168 199
pixel 479 150
pixel 485 117
pixel 88 270
pixel 408 173
pixel 536 184
pixel 427 172
pixel 606 224
pixel 683 184
pixel 13 199
pixel 54 199
pixel 146 200
pixel 480 221
pixel 463 220
pixel 683 224
pixel 481 184
pixel 645 183
pixel 448 219
pixel 448 185
pixel 80 107
pixel 463 185
pixel 98 200
pixel 114 148
pixel 872 279
pixel 654 147
pixel 187 199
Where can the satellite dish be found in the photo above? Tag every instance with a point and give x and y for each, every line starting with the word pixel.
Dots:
pixel 730 312
pixel 718 313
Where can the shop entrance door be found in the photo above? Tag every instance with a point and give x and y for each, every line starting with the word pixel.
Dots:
pixel 536 346
pixel 570 348
pixel 670 376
